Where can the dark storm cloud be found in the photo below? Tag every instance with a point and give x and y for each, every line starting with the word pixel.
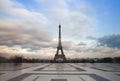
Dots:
pixel 110 40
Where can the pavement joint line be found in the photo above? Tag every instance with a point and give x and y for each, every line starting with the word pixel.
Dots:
pixel 58 80
pixel 79 69
pixel 41 67
pixel 36 78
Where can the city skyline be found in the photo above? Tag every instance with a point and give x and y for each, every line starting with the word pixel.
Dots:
pixel 90 28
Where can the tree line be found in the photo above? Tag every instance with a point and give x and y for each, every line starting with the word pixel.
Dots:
pixel 21 59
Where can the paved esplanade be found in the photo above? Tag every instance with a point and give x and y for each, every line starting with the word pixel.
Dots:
pixel 60 72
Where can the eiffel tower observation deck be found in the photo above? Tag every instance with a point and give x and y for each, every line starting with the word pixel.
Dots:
pixel 59 56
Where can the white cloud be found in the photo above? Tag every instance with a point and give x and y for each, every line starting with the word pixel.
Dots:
pixel 29 29
pixel 74 22
pixel 22 27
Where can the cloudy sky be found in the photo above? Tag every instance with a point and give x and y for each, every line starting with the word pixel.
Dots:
pixel 90 28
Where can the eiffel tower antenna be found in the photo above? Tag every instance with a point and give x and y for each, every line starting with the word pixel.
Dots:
pixel 59 57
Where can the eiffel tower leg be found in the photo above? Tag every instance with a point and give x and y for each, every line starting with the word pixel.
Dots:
pixel 63 54
pixel 56 54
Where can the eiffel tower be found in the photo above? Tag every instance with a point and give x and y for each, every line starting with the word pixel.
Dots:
pixel 59 57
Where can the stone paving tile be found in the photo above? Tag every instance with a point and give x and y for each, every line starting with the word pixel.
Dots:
pixel 15 66
pixel 1 73
pixel 62 72
pixel 110 67
pixel 35 77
